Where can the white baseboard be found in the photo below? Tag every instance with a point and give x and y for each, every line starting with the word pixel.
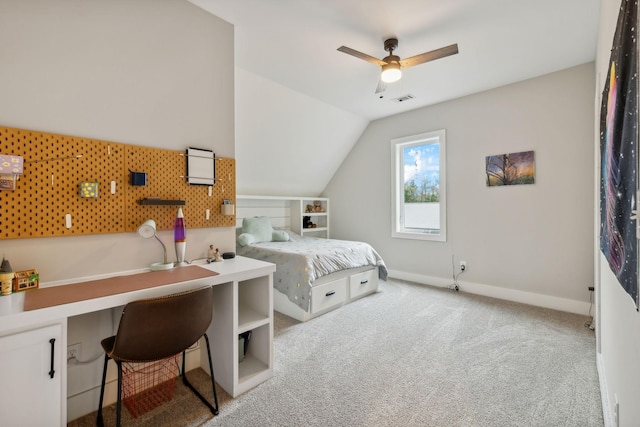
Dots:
pixel 604 393
pixel 531 298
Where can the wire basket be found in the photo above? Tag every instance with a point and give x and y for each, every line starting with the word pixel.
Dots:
pixel 148 385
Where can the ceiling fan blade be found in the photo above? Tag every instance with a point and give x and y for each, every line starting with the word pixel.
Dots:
pixel 382 86
pixel 429 56
pixel 361 55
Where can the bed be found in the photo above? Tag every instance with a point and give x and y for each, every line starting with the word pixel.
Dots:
pixel 313 275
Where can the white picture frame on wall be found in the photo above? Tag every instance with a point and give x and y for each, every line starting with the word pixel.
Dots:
pixel 201 166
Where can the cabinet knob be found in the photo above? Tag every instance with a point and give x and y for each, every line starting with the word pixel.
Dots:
pixel 328 294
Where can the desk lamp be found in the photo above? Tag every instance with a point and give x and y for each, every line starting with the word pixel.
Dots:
pixel 147 230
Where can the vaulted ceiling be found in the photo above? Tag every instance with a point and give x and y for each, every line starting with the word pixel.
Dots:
pixel 301 105
pixel 294 43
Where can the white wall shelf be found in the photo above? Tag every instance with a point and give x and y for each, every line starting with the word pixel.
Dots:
pixel 255 314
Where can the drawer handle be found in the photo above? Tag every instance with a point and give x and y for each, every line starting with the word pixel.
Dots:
pixel 328 294
pixel 52 372
pixel 364 282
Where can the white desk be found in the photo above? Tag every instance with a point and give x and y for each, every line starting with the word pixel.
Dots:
pixel 243 301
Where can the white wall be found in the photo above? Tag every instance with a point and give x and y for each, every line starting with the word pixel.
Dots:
pixel 287 143
pixel 529 243
pixel 618 320
pixel 141 72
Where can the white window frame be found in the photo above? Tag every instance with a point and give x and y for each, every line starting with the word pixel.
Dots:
pixel 397 186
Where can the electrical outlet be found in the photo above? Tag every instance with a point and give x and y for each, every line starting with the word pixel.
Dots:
pixel 463 265
pixel 73 352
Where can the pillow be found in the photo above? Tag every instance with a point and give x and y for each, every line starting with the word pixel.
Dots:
pixel 245 239
pixel 259 226
pixel 279 236
pixel 258 229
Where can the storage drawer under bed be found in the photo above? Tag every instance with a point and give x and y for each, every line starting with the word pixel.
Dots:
pixel 329 295
pixel 363 283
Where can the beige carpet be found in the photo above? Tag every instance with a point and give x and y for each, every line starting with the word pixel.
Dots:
pixel 411 355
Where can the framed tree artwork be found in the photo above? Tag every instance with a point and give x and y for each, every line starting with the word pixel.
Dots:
pixel 510 169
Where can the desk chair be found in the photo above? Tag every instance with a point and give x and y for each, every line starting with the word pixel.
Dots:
pixel 157 328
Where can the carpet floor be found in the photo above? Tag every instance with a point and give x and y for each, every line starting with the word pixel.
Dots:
pixel 411 355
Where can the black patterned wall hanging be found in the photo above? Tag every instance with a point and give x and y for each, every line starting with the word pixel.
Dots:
pixel 618 149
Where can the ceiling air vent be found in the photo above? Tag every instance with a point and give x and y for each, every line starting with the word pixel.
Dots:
pixel 403 98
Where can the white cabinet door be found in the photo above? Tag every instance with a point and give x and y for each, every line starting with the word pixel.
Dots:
pixel 31 377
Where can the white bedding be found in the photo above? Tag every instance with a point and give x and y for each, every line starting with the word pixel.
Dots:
pixel 301 260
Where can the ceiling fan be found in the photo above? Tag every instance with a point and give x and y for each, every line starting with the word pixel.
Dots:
pixel 392 65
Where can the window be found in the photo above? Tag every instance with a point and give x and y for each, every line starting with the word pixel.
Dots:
pixel 419 187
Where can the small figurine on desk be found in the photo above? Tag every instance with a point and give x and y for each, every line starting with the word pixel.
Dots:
pixel 6 277
pixel 213 255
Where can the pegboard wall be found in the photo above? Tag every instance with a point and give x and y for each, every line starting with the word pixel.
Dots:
pixel 55 165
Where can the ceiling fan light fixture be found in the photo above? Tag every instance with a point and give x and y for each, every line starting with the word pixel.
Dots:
pixel 392 64
pixel 391 72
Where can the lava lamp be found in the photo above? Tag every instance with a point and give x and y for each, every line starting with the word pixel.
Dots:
pixel 180 237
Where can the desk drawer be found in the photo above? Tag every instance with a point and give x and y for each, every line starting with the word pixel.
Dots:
pixel 363 283
pixel 329 295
